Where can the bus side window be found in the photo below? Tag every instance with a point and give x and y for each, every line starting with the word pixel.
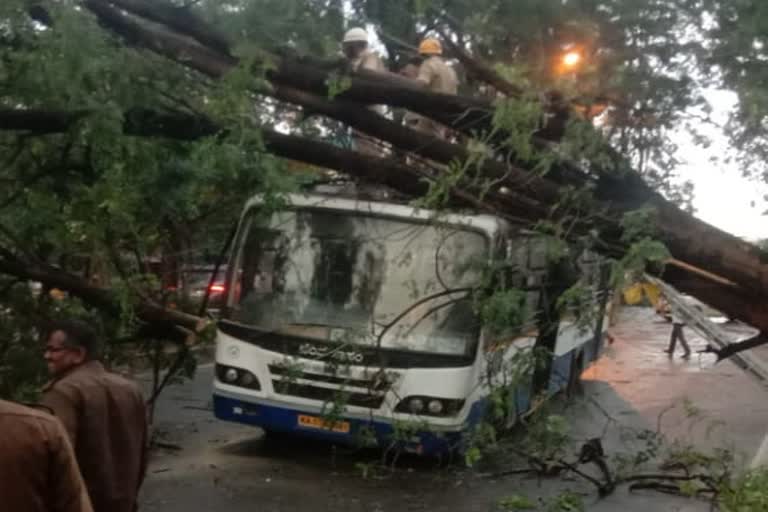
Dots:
pixel 516 270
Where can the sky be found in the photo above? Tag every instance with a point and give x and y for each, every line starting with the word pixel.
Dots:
pixel 721 196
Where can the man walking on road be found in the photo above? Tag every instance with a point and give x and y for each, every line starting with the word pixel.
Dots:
pixel 678 323
pixel 103 413
pixel 38 470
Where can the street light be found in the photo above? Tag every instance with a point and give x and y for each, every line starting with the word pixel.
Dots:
pixel 571 59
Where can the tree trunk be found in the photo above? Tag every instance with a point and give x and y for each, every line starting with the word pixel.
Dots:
pixel 102 298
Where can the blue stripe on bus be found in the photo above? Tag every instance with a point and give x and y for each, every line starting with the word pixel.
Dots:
pixel 280 419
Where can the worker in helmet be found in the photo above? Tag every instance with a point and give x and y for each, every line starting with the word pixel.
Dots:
pixel 360 57
pixel 433 71
pixel 438 77
pixel 356 50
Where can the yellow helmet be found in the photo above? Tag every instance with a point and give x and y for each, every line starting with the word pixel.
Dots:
pixel 430 46
pixel 57 294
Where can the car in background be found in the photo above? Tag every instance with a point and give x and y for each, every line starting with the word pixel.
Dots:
pixel 195 283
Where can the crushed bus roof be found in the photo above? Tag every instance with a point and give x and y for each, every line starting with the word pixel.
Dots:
pixel 486 223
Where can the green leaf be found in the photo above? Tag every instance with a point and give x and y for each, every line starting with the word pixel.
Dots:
pixel 516 502
pixel 639 225
pixel 337 84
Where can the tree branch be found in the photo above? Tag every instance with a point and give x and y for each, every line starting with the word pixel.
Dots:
pixel 38 121
pixel 98 297
pixel 523 183
pixel 734 348
pixel 481 71
pixel 180 19
pixel 175 47
pixel 390 172
pixel 307 74
pixel 138 121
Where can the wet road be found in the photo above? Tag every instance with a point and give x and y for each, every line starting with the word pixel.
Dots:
pixel 232 468
pixel 647 381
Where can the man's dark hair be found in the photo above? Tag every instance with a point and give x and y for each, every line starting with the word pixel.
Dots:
pixel 79 335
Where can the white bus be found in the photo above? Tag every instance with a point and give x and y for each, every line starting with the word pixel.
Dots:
pixel 347 318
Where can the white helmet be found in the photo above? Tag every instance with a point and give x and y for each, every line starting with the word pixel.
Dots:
pixel 356 35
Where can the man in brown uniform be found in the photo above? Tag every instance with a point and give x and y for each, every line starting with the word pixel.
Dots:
pixel 103 413
pixel 438 77
pixel 38 470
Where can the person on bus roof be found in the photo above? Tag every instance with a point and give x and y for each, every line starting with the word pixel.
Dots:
pixel 361 57
pixel 437 76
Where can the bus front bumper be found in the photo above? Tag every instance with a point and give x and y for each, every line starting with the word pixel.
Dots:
pixel 348 431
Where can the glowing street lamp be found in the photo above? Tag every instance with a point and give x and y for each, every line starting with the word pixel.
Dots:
pixel 571 59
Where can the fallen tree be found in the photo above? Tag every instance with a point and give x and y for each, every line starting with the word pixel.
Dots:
pixel 688 238
pixel 306 82
pixel 725 296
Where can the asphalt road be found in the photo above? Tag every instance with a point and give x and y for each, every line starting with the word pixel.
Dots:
pixel 233 468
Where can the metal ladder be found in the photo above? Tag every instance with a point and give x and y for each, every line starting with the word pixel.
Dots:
pixel 699 322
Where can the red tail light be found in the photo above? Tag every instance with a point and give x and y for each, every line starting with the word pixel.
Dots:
pixel 217 288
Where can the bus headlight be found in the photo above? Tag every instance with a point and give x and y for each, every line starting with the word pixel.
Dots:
pixel 435 407
pixel 237 377
pixel 416 405
pixel 430 406
pixel 247 379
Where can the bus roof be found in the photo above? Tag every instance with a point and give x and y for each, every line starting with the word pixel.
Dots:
pixel 489 224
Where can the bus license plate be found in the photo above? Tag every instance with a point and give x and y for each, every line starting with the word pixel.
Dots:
pixel 342 427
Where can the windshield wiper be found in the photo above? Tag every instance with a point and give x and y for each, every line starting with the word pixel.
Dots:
pixel 418 303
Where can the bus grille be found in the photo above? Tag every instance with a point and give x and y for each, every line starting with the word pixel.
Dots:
pixel 285 385
pixel 372 401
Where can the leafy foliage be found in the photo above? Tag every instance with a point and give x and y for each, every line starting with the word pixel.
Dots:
pixel 748 492
pixel 123 212
pixel 516 502
pixel 639 225
pixel 504 310
pixel 736 36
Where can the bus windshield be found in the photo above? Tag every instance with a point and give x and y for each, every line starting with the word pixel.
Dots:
pixel 364 279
